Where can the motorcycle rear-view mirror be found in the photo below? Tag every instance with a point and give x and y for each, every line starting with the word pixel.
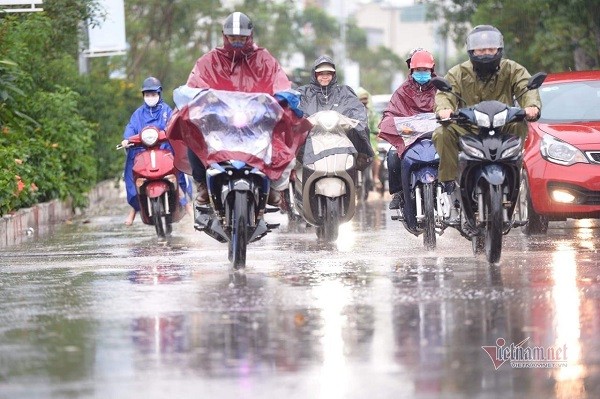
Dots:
pixel 536 80
pixel 441 84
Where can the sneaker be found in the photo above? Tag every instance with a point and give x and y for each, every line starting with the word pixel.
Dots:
pixel 274 198
pixel 396 200
pixel 201 194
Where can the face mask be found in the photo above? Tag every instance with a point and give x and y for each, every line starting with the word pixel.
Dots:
pixel 151 101
pixel 421 77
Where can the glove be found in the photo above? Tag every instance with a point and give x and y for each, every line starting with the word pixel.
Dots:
pixel 362 161
pixel 292 99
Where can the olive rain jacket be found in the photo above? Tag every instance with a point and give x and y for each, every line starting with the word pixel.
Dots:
pixel 510 81
pixel 340 98
pixel 409 99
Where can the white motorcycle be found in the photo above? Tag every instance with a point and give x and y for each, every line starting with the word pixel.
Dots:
pixel 324 188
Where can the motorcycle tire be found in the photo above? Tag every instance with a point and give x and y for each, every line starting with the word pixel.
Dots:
pixel 328 232
pixel 239 221
pixel 494 225
pixel 429 238
pixel 157 218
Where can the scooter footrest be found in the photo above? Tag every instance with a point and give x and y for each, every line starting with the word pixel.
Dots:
pixel 271 210
pixel 272 226
pixel 399 218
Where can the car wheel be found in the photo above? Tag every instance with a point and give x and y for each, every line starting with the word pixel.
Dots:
pixel 537 224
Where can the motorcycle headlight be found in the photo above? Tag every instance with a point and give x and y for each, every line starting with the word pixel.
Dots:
pixel 328 120
pixel 472 151
pixel 482 119
pixel 149 136
pixel 500 118
pixel 240 119
pixel 557 151
pixel 511 152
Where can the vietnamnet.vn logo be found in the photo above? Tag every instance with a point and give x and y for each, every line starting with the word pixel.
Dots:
pixel 521 356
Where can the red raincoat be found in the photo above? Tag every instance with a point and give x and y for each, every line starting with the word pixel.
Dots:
pixel 409 99
pixel 249 69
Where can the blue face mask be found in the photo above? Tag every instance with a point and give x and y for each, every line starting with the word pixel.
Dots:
pixel 421 77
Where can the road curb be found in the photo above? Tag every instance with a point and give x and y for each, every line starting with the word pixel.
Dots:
pixel 37 221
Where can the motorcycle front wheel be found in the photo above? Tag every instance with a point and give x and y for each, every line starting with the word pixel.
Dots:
pixel 161 224
pixel 239 222
pixel 494 223
pixel 429 239
pixel 328 231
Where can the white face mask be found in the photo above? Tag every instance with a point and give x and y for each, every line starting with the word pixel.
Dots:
pixel 151 100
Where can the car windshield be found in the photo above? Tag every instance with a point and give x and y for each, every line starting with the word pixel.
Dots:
pixel 570 102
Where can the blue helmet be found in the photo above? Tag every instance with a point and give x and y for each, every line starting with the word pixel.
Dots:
pixel 152 84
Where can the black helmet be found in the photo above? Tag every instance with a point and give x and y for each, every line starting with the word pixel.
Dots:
pixel 482 37
pixel 237 24
pixel 151 84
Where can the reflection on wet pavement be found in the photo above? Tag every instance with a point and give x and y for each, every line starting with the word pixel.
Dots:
pixel 99 310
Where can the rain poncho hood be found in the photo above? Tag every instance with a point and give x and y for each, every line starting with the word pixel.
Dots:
pixel 409 99
pixel 250 69
pixel 341 98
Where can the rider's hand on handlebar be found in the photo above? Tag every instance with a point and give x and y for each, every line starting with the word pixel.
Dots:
pixel 124 143
pixel 444 114
pixel 532 113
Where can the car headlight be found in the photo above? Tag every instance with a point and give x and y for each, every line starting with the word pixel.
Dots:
pixel 557 151
pixel 482 119
pixel 149 136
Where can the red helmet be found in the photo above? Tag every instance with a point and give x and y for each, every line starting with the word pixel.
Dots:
pixel 422 59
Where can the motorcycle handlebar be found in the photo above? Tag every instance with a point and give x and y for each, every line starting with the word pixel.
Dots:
pixel 120 146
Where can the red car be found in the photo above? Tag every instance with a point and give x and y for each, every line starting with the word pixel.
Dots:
pixel 561 166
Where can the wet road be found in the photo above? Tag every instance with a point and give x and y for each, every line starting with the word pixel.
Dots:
pixel 103 311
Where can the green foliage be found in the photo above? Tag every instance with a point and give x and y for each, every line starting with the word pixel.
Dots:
pixel 549 35
pixel 53 122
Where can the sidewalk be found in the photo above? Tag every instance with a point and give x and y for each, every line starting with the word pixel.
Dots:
pixel 29 223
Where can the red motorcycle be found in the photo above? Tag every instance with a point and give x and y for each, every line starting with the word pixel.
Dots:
pixel 156 181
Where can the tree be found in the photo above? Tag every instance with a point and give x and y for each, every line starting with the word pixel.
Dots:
pixel 550 35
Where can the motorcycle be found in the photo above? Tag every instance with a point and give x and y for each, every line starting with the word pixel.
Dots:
pixel 324 189
pixel 422 208
pixel 490 164
pixel 233 132
pixel 156 182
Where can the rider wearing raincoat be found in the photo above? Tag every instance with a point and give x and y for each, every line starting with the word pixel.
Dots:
pixel 415 96
pixel 241 65
pixel 153 112
pixel 316 96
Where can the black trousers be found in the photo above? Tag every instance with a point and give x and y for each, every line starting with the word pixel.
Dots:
pixel 198 168
pixel 394 171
